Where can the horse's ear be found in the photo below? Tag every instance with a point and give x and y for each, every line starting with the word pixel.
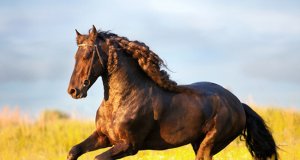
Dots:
pixel 77 33
pixel 93 33
pixel 94 29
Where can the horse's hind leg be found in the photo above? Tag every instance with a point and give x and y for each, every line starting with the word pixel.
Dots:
pixel 205 149
pixel 195 146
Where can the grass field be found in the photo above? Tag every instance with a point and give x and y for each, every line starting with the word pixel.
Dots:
pixel 51 138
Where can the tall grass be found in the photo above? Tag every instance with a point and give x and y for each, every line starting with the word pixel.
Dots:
pixel 22 139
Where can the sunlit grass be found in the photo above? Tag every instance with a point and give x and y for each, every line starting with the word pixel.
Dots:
pixel 21 139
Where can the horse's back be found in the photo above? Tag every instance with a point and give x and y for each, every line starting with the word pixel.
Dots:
pixel 208 89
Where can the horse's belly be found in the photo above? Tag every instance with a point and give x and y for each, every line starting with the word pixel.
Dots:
pixel 175 131
pixel 161 139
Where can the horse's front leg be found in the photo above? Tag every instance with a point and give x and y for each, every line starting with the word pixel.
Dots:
pixel 118 151
pixel 93 142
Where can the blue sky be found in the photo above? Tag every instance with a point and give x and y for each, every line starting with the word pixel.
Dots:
pixel 249 47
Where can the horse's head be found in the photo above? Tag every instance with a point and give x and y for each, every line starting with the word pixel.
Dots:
pixel 89 63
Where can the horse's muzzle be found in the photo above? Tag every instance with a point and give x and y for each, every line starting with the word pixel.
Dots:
pixel 76 93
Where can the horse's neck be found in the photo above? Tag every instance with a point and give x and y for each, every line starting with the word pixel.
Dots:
pixel 128 77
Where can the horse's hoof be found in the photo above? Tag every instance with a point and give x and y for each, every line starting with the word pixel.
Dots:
pixel 71 157
pixel 74 153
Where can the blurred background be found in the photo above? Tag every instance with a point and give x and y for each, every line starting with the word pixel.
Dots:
pixel 250 47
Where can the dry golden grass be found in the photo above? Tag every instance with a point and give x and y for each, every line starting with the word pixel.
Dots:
pixel 21 139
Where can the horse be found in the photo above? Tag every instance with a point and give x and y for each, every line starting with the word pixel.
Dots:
pixel 143 109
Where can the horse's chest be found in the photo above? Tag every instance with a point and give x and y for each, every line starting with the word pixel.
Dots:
pixel 122 123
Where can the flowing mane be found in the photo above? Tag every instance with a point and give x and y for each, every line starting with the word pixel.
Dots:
pixel 149 62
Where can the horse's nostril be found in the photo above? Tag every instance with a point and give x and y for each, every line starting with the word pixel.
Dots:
pixel 72 91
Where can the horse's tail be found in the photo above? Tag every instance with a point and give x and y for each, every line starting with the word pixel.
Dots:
pixel 259 139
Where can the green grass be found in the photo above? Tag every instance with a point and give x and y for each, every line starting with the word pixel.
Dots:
pixel 42 140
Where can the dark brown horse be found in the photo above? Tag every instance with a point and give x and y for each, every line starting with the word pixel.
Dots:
pixel 143 109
